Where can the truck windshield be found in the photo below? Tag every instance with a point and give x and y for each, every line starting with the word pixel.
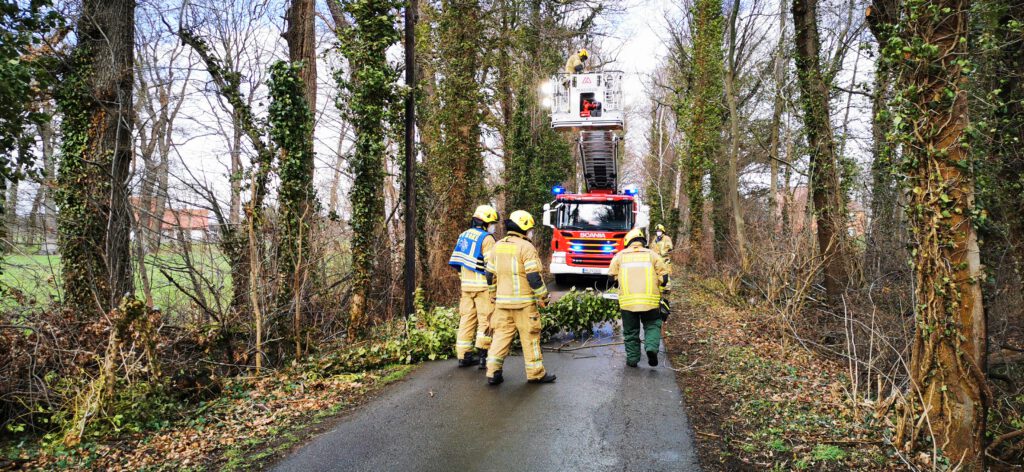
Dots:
pixel 600 216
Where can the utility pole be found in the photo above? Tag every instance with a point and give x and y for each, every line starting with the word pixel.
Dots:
pixel 410 156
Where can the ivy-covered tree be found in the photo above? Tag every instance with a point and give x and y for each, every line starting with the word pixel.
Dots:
pixel 930 118
pixel 996 99
pixel 299 208
pixel 95 100
pixel 701 113
pixel 827 194
pixel 885 254
pixel 291 126
pixel 369 101
pixel 456 164
pixel 538 159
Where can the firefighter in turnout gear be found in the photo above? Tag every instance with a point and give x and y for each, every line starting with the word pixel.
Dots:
pixel 643 278
pixel 662 244
pixel 475 305
pixel 576 64
pixel 513 272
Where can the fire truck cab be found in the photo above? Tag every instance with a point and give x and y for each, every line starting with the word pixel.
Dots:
pixel 588 230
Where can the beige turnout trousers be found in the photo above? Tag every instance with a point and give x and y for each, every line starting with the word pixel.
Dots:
pixel 506 321
pixel 475 310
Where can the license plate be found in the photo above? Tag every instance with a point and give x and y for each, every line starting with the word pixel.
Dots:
pixel 591 271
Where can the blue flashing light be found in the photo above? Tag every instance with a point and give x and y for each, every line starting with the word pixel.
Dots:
pixel 576 247
pixel 557 190
pixel 631 191
pixel 608 248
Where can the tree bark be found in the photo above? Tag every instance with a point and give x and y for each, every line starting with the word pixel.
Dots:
pixel 826 192
pixel 948 355
pixel 301 38
pixel 779 74
pixel 294 265
pixel 732 198
pixel 95 215
pixel 885 253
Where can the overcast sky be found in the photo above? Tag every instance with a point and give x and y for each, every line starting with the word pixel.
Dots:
pixel 635 44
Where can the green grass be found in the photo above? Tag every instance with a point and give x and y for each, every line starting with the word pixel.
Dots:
pixel 37 278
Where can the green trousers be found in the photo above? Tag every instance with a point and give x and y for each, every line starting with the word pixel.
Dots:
pixel 631 321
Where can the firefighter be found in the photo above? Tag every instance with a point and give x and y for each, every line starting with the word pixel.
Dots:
pixel 513 272
pixel 662 244
pixel 643 278
pixel 475 306
pixel 576 64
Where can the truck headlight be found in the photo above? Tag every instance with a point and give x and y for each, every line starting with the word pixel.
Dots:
pixel 558 258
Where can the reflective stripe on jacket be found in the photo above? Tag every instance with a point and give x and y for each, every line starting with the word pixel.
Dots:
pixel 640 273
pixel 510 261
pixel 473 281
pixel 469 250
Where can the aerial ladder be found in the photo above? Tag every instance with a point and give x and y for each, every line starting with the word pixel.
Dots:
pixel 590 104
pixel 588 228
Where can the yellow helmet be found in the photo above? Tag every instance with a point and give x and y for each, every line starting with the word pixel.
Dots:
pixel 660 227
pixel 486 213
pixel 583 53
pixel 635 233
pixel 522 219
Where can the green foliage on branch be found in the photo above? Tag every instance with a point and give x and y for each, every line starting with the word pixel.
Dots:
pixel 24 77
pixel 428 334
pixel 578 312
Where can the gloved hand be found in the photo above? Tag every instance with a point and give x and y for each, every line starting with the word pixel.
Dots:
pixel 665 309
pixel 544 301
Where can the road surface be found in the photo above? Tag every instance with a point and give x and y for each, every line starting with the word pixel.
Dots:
pixel 599 415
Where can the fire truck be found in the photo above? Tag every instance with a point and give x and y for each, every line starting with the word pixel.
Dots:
pixel 588 226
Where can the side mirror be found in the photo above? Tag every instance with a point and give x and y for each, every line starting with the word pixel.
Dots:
pixel 546 217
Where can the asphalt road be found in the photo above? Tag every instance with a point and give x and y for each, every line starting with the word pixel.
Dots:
pixel 599 415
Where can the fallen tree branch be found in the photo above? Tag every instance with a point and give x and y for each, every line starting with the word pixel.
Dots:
pixel 560 349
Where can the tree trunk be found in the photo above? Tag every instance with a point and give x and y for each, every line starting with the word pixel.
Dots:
pixel 826 192
pixel 779 74
pixel 732 198
pixel 235 217
pixel 294 265
pixel 11 212
pixel 702 113
pixel 301 38
pixel 370 86
pixel 885 252
pixel 948 355
pixel 456 168
pixel 94 215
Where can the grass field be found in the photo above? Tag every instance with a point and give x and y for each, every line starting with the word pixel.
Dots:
pixel 36 279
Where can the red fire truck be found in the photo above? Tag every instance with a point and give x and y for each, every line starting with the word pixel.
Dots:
pixel 588 226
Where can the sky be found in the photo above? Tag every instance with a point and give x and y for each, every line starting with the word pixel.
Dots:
pixel 635 43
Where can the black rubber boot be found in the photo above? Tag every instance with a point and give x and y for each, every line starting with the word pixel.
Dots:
pixel 631 364
pixel 467 361
pixel 496 380
pixel 652 358
pixel 483 359
pixel 546 379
